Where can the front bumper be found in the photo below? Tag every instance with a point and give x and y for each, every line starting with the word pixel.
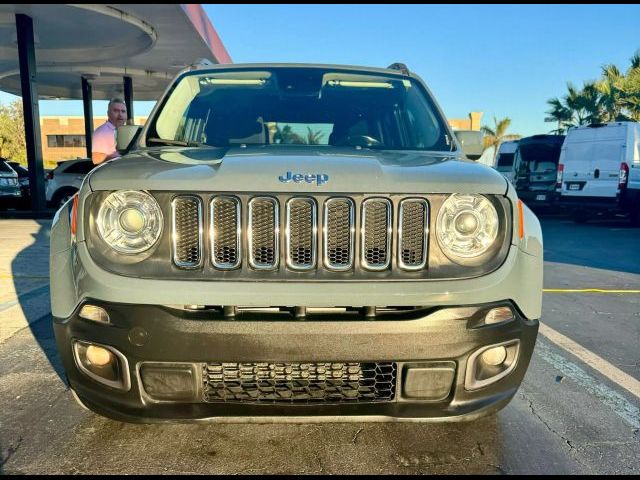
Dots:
pixel 10 192
pixel 431 338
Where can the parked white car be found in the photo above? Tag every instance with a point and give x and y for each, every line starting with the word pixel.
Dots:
pixel 596 165
pixel 9 186
pixel 66 179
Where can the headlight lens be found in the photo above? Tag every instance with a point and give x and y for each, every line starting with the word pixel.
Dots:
pixel 467 226
pixel 130 221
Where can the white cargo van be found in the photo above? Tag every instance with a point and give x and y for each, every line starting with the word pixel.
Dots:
pixel 595 167
pixel 505 160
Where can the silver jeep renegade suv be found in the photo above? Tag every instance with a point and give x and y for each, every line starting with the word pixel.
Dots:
pixel 295 242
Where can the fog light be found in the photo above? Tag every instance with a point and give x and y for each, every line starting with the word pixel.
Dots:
pixel 95 314
pixel 498 315
pixel 103 364
pixel 494 356
pixel 491 363
pixel 98 356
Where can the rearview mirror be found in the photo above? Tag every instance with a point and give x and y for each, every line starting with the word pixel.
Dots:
pixel 471 143
pixel 125 136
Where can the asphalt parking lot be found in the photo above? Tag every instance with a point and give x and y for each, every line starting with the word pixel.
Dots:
pixel 578 410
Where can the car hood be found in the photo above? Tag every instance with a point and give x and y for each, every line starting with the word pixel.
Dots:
pixel 258 169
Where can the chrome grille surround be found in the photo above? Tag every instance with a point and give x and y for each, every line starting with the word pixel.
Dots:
pixel 413 234
pixel 263 233
pixel 225 232
pixel 338 233
pixel 186 231
pixel 301 230
pixel 376 233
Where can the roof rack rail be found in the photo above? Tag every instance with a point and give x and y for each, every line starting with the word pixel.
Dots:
pixel 202 62
pixel 399 66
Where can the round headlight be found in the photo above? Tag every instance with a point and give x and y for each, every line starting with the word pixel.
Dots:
pixel 467 226
pixel 130 221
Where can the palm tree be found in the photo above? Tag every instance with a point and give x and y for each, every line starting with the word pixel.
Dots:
pixel 314 138
pixel 286 135
pixel 559 113
pixel 631 88
pixel 611 90
pixel 493 137
pixel 614 97
pixel 632 92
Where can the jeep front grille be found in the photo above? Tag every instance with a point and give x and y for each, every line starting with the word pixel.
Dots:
pixel 338 233
pixel 326 233
pixel 376 234
pixel 263 233
pixel 299 382
pixel 225 232
pixel 187 231
pixel 413 232
pixel 300 233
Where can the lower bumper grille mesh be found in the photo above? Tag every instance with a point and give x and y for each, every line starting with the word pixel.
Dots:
pixel 299 382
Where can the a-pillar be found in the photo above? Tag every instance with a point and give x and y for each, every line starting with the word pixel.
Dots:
pixel 87 97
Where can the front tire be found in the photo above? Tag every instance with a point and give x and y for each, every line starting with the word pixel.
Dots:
pixel 62 196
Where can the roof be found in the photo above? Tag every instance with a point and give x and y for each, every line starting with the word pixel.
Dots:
pixel 255 66
pixel 551 139
pixel 150 43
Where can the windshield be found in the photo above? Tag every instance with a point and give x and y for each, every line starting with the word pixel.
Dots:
pixel 4 168
pixel 505 159
pixel 539 158
pixel 299 106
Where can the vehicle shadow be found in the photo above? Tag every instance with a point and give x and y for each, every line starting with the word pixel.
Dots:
pixel 30 273
pixel 280 448
pixel 607 244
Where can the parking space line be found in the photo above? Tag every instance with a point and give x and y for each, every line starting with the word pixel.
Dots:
pixel 586 290
pixel 594 361
pixel 620 406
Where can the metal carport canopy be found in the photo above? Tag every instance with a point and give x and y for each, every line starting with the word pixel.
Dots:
pixel 103 43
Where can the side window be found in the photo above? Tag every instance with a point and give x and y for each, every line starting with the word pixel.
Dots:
pixel 80 167
pixel 86 167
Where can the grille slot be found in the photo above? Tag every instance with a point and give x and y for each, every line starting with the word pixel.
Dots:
pixel 338 233
pixel 263 233
pixel 376 234
pixel 301 231
pixel 225 232
pixel 186 219
pixel 299 382
pixel 413 230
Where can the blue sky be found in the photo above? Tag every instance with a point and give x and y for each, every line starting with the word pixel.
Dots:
pixel 501 60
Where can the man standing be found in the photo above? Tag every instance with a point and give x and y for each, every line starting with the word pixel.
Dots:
pixel 104 137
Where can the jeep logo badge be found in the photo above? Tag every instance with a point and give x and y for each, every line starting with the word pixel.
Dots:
pixel 319 178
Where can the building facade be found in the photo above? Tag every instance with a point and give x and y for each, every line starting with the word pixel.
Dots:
pixel 471 123
pixel 63 137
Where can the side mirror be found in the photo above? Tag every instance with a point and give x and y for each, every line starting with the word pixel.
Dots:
pixel 125 136
pixel 471 142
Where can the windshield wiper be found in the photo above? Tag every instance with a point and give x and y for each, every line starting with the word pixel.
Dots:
pixel 178 143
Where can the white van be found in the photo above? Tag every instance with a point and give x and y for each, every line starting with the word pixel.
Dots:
pixel 596 165
pixel 504 162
